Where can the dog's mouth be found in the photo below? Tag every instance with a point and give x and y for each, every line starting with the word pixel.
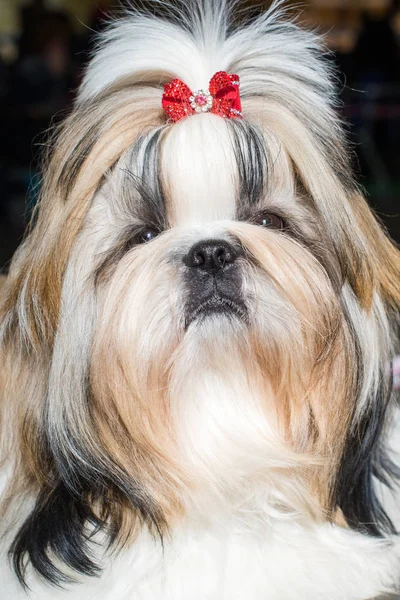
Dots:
pixel 218 304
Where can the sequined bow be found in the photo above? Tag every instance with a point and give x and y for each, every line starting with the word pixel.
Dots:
pixel 222 98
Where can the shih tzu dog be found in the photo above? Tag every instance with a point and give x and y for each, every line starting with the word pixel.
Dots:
pixel 196 333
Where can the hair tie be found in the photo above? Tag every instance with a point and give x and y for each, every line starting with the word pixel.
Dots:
pixel 222 98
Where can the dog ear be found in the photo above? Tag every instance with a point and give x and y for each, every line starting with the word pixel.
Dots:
pixel 87 146
pixel 369 267
pixel 373 272
pixel 370 263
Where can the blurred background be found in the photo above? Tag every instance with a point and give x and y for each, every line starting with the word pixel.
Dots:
pixel 44 45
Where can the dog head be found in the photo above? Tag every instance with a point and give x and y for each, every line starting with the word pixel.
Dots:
pixel 202 314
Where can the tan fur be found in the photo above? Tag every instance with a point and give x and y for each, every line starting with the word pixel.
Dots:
pixel 314 389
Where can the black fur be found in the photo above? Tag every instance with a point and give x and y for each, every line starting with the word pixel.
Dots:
pixel 143 197
pixel 141 187
pixel 62 526
pixel 63 522
pixel 55 529
pixel 365 461
pixel 252 163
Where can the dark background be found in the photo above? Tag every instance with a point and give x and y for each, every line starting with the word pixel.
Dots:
pixel 45 45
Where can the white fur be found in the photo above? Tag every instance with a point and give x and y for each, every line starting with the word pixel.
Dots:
pixel 236 558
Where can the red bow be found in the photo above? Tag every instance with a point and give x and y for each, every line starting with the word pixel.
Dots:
pixel 222 98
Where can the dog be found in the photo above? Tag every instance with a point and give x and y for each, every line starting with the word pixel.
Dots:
pixel 197 331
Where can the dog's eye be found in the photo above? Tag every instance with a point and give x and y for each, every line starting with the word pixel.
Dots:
pixel 141 236
pixel 147 235
pixel 270 220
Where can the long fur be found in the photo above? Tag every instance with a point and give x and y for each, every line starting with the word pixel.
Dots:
pixel 229 457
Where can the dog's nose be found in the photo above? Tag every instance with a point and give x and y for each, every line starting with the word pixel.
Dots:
pixel 211 255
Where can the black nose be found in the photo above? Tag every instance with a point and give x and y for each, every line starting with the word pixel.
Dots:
pixel 211 255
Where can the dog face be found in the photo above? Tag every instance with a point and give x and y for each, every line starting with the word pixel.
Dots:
pixel 209 279
pixel 201 316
